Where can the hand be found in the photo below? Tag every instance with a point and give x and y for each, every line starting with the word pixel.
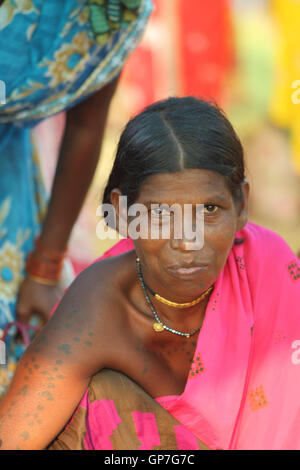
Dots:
pixel 37 299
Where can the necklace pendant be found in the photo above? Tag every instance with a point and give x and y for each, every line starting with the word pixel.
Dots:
pixel 158 327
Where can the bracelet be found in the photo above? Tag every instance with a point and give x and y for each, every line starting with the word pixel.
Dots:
pixel 41 280
pixel 44 265
pixel 49 254
pixel 39 268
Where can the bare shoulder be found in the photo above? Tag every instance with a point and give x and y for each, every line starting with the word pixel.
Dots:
pixel 90 315
pixel 77 342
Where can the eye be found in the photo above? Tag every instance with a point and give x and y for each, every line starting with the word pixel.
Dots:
pixel 210 208
pixel 159 212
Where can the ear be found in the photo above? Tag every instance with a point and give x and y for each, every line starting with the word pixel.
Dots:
pixel 243 206
pixel 120 205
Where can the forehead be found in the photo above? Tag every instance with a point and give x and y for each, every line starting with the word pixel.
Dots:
pixel 192 185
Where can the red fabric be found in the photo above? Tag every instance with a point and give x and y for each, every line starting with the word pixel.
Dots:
pixel 206 50
pixel 190 55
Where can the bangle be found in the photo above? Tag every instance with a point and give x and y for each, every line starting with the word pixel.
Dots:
pixel 44 265
pixel 41 269
pixel 41 280
pixel 48 254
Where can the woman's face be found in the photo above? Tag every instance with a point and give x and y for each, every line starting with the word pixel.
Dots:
pixel 176 268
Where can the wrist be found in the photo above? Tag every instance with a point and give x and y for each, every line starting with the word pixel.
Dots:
pixel 44 265
pixel 52 240
pixel 48 253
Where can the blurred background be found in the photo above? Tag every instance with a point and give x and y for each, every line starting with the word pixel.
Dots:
pixel 245 54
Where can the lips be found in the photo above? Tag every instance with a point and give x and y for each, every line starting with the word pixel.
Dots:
pixel 174 267
pixel 187 271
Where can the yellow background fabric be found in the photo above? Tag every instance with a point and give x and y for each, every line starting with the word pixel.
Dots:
pixel 285 100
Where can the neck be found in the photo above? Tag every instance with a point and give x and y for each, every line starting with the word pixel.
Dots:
pixel 166 297
pixel 190 317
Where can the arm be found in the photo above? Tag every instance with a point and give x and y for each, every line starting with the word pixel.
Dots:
pixel 55 370
pixel 76 166
pixel 78 159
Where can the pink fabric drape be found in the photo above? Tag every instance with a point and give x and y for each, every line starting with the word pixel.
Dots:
pixel 242 391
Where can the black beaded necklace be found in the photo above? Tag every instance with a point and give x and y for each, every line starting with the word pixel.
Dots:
pixel 159 326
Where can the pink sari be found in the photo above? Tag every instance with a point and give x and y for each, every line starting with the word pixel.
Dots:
pixel 243 389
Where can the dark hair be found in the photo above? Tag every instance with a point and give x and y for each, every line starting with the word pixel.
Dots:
pixel 172 135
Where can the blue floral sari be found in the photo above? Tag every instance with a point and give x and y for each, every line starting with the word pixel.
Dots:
pixel 53 55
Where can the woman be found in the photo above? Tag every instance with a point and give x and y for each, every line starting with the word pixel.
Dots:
pixel 209 330
pixel 58 56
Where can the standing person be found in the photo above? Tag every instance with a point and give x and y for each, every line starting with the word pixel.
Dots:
pixel 55 56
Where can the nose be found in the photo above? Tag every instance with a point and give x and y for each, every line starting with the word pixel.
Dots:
pixel 186 245
pixel 188 242
pixel 188 235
